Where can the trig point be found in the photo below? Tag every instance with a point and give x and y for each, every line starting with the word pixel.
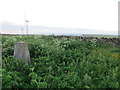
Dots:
pixel 21 51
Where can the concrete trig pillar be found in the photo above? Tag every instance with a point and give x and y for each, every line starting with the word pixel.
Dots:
pixel 21 51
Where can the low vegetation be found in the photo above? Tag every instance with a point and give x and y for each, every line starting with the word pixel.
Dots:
pixel 60 63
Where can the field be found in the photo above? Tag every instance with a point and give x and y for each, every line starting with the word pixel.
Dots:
pixel 60 62
pixel 99 36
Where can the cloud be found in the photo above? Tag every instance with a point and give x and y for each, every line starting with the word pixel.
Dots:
pixel 8 27
pixel 11 28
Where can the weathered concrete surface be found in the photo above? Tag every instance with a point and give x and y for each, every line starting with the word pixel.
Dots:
pixel 21 51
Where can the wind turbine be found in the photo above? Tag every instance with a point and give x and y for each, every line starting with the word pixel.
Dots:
pixel 22 29
pixel 26 22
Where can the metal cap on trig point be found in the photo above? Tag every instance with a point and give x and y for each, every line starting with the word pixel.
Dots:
pixel 21 51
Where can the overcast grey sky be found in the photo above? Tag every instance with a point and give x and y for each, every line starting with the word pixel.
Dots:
pixel 97 16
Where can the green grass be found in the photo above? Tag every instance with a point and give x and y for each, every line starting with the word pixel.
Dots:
pixel 60 63
pixel 99 36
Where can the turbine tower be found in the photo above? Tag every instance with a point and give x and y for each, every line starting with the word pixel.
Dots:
pixel 26 21
pixel 22 29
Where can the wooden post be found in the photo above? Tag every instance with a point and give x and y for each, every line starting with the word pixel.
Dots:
pixel 0 61
pixel 21 51
pixel 118 25
pixel 118 42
